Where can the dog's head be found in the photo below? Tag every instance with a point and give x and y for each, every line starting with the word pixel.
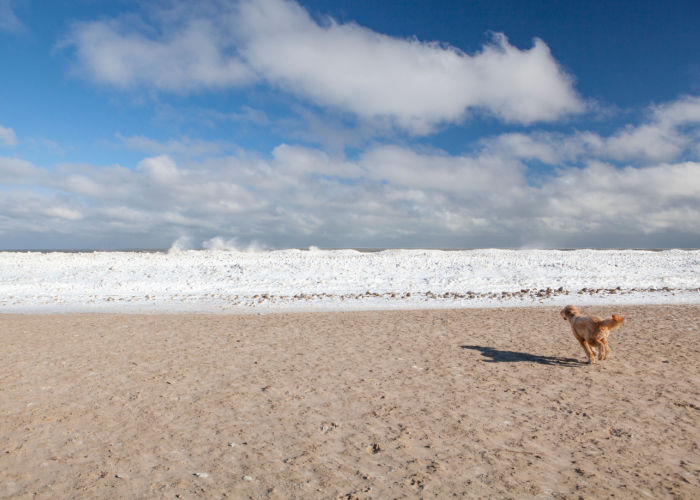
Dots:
pixel 568 312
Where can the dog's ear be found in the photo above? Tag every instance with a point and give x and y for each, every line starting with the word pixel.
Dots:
pixel 618 319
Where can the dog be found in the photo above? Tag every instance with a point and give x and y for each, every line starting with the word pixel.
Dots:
pixel 591 331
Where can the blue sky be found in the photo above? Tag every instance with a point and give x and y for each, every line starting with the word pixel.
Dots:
pixel 279 124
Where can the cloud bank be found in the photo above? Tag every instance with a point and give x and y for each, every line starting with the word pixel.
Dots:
pixel 411 84
pixel 389 195
pixel 283 202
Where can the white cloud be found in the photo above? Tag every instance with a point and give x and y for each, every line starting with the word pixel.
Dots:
pixel 183 146
pixel 669 130
pixel 655 142
pixel 63 213
pixel 464 175
pixel 546 148
pixel 299 163
pixel 16 171
pixel 408 83
pixel 161 169
pixel 552 148
pixel 7 136
pixel 645 200
pixel 680 112
pixel 107 184
pixel 390 196
pixel 184 58
pixel 415 84
pixel 667 133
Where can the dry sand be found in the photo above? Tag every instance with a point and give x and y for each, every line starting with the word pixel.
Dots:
pixel 470 403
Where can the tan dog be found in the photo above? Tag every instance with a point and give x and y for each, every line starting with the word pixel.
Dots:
pixel 591 331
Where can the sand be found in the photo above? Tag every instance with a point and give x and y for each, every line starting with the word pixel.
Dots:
pixel 427 404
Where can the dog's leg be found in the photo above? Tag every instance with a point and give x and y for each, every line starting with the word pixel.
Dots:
pixel 601 349
pixel 606 348
pixel 580 341
pixel 589 352
pixel 586 348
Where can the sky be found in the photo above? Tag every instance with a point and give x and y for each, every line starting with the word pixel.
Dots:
pixel 349 124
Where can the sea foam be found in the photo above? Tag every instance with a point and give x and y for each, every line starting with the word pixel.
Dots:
pixel 221 279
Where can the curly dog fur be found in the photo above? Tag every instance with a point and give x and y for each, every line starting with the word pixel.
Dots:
pixel 591 331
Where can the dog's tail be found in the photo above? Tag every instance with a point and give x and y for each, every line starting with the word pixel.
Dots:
pixel 612 323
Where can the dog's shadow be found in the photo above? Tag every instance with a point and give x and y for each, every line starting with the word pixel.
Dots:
pixel 500 356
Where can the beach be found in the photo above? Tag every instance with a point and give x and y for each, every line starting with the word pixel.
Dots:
pixel 479 402
pixel 291 249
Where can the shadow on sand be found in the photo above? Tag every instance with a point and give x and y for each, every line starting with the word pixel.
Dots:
pixel 499 356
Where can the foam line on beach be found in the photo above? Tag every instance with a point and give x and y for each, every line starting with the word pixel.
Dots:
pixel 226 280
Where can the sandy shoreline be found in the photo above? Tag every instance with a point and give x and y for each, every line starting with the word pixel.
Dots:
pixel 473 402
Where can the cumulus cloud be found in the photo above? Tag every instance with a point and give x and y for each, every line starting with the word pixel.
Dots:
pixel 411 84
pixel 389 196
pixel 667 132
pixel 183 58
pixel 663 137
pixel 7 136
pixel 631 200
pixel 415 84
